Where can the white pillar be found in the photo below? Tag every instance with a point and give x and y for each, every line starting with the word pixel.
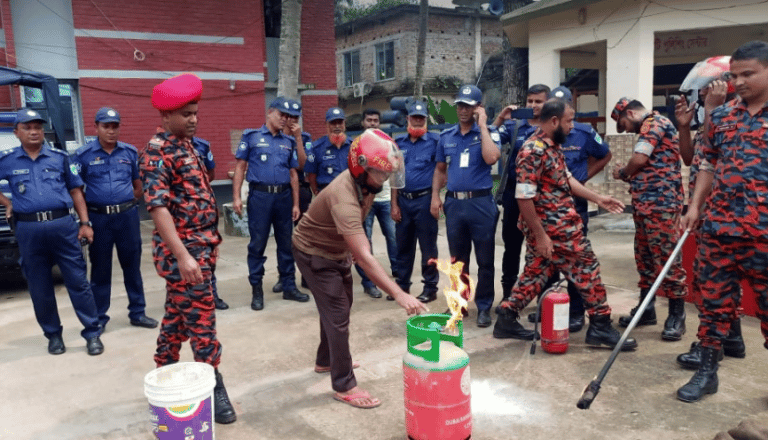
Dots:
pixel 478 47
pixel 544 66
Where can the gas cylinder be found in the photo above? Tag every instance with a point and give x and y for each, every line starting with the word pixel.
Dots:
pixel 554 321
pixel 436 381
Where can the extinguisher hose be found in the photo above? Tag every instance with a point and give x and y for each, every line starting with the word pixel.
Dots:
pixel 593 388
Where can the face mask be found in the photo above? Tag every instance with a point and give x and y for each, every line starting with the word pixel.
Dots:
pixel 337 139
pixel 417 132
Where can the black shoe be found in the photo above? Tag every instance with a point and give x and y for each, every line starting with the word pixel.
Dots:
pixel 674 326
pixel 649 315
pixel 733 344
pixel 575 323
pixel 484 318
pixel 257 303
pixel 220 304
pixel 390 297
pixel 508 327
pixel 56 344
pixel 296 295
pixel 600 332
pixel 144 321
pixel 94 346
pixel 223 411
pixel 373 292
pixel 278 287
pixel 429 296
pixel 704 381
pixel 692 359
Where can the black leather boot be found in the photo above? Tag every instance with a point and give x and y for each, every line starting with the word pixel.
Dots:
pixel 674 326
pixel 600 332
pixel 692 359
pixel 258 297
pixel 223 411
pixel 508 327
pixel 704 381
pixel 649 315
pixel 733 344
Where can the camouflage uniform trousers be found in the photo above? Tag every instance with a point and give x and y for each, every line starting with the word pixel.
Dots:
pixel 723 262
pixel 575 259
pixel 189 309
pixel 655 239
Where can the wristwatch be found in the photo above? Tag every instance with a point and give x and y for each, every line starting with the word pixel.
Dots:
pixel 88 223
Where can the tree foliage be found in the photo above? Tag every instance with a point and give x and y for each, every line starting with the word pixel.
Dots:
pixel 348 10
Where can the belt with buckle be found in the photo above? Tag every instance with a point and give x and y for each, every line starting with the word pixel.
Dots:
pixel 41 216
pixel 415 194
pixel 462 195
pixel 112 209
pixel 272 189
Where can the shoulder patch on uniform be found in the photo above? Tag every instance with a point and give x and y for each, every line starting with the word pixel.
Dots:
pixel 645 128
pixel 495 136
pixel 598 138
pixel 538 145
pixel 74 169
pixel 311 157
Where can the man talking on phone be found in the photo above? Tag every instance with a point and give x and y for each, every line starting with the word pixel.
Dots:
pixel 465 154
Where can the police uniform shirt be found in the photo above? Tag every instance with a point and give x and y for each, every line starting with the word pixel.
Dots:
pixel 467 171
pixel 419 157
pixel 582 143
pixel 42 184
pixel 108 177
pixel 506 130
pixel 326 160
pixel 203 147
pixel 270 157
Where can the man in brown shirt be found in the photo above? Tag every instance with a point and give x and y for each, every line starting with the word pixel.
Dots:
pixel 329 236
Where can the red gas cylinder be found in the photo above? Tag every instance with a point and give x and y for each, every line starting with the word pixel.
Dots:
pixel 436 381
pixel 554 321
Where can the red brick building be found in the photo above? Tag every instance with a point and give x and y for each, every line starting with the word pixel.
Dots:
pixel 108 53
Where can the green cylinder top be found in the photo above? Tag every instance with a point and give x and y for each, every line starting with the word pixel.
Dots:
pixel 429 328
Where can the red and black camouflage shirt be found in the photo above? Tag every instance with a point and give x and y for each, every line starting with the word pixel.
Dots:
pixel 658 186
pixel 737 153
pixel 175 177
pixel 542 176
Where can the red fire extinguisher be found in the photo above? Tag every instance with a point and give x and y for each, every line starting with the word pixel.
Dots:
pixel 554 311
pixel 436 381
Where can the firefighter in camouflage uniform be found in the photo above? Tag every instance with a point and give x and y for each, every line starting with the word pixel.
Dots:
pixel 734 232
pixel 179 197
pixel 553 229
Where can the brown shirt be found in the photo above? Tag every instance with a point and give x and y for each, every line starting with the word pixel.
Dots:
pixel 336 212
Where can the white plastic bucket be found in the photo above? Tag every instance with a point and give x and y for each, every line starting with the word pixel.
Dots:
pixel 181 401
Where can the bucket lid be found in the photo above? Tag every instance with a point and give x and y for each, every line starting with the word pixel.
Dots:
pixel 179 382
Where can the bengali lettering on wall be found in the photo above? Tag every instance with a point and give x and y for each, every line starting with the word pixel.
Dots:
pixel 667 45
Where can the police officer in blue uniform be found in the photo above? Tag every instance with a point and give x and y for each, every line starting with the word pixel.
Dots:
pixel 465 155
pixel 203 148
pixel 273 199
pixel 410 205
pixel 303 147
pixel 586 154
pixel 520 129
pixel 329 153
pixel 45 186
pixel 109 168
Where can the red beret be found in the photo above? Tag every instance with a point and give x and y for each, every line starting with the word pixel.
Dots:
pixel 176 92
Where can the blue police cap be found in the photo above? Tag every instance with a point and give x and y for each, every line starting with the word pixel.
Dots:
pixel 469 94
pixel 27 115
pixel 561 92
pixel 106 114
pixel 334 114
pixel 418 108
pixel 293 108
pixel 278 103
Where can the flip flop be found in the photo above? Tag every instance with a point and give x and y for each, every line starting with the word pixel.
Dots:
pixel 352 398
pixel 321 370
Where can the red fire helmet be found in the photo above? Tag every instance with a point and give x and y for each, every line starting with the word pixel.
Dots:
pixel 704 72
pixel 374 149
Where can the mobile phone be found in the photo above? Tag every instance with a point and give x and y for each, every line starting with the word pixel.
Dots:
pixel 521 113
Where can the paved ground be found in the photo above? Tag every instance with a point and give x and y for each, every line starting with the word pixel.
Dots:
pixel 268 358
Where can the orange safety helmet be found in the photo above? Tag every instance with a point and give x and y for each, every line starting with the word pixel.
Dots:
pixel 374 149
pixel 704 72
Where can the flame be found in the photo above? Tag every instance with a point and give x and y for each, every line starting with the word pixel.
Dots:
pixel 458 292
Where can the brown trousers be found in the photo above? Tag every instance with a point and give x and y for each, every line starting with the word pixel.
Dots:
pixel 331 284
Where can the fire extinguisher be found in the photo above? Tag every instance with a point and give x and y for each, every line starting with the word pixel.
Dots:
pixel 553 309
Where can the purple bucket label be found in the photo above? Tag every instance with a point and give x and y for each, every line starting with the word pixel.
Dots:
pixel 183 422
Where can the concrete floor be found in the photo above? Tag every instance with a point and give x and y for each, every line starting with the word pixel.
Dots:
pixel 268 358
